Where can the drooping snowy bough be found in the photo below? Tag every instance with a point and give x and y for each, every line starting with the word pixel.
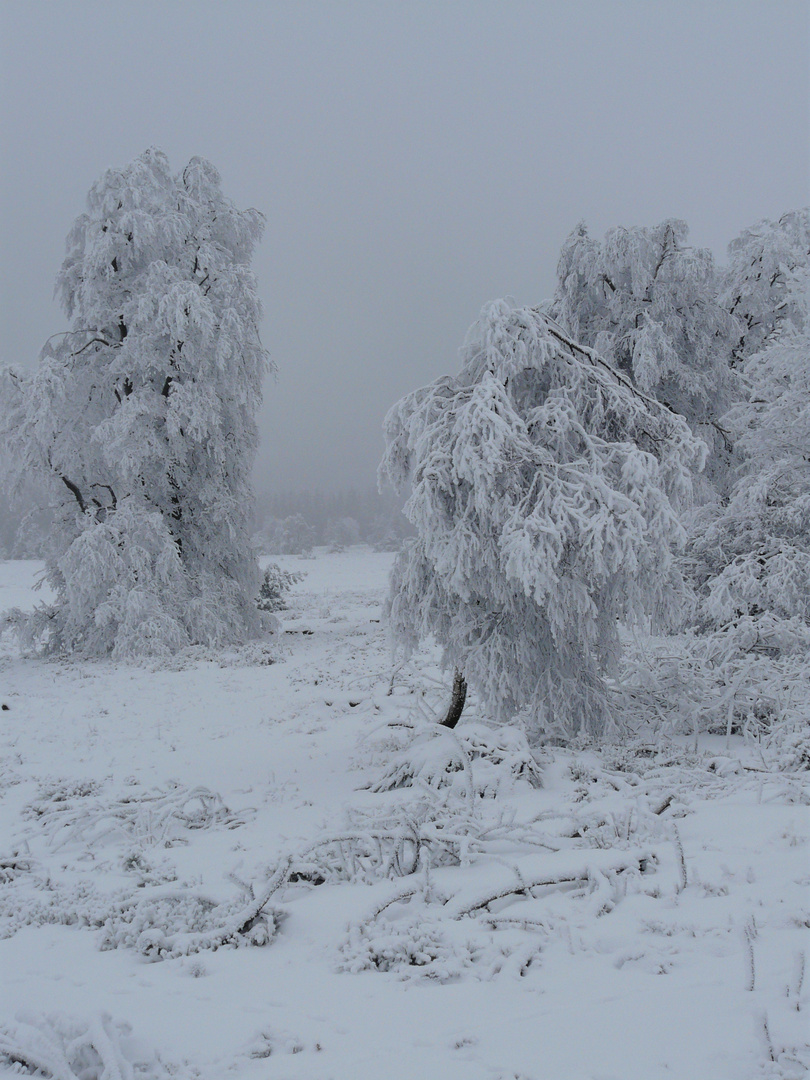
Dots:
pixel 544 494
pixel 751 554
pixel 648 303
pixel 140 421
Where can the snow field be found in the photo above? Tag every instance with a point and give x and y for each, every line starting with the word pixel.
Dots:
pixel 642 914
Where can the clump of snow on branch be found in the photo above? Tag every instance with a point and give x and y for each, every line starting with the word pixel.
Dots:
pixel 544 490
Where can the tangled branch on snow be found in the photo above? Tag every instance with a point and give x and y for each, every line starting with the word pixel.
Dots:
pixel 61 1048
pixel 396 842
pixel 158 817
pixel 167 924
pixel 418 930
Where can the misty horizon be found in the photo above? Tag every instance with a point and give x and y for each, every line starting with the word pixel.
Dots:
pixel 412 162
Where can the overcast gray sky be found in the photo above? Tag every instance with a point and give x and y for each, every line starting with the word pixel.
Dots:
pixel 414 160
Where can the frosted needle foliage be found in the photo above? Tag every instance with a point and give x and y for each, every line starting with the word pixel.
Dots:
pixel 544 489
pixel 140 419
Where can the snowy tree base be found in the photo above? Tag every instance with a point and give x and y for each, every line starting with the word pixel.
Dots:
pixel 438 757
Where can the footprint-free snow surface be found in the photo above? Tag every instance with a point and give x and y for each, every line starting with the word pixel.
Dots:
pixel 272 863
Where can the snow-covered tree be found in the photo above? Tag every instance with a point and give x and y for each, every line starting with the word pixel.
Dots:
pixel 141 418
pixel 756 549
pixel 543 494
pixel 291 535
pixel 341 533
pixel 648 303
pixel 746 660
pixel 759 287
pixel 276 583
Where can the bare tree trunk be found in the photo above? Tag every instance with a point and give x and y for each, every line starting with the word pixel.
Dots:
pixel 457 700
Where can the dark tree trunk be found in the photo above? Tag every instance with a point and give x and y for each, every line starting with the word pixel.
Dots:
pixel 457 700
pixel 76 493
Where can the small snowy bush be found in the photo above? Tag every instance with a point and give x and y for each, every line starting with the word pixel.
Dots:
pixel 423 945
pixel 496 921
pixel 66 814
pixel 286 536
pixel 488 759
pixel 168 923
pixel 276 583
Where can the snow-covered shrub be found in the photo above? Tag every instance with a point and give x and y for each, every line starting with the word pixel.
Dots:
pixel 392 842
pixel 160 918
pixel 488 759
pixel 166 923
pixel 154 818
pixel 66 1048
pixel 732 681
pixel 543 490
pixel 269 1043
pixel 424 945
pixel 276 583
pixel 140 420
pixel 13 865
pixel 30 896
pixel 388 531
pixel 786 743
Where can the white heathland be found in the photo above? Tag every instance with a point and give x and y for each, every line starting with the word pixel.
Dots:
pixel 642 915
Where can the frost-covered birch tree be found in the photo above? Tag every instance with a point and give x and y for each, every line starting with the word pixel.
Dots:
pixel 544 488
pixel 755 550
pixel 140 418
pixel 649 304
pixel 759 287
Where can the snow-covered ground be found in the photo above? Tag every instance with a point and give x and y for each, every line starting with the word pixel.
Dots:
pixel 643 913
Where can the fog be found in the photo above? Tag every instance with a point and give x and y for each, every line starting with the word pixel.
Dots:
pixel 413 161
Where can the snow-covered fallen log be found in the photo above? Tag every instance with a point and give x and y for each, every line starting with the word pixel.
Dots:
pixel 591 869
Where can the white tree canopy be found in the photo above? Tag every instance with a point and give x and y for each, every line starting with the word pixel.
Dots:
pixel 649 304
pixel 759 288
pixel 543 494
pixel 755 550
pixel 141 417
